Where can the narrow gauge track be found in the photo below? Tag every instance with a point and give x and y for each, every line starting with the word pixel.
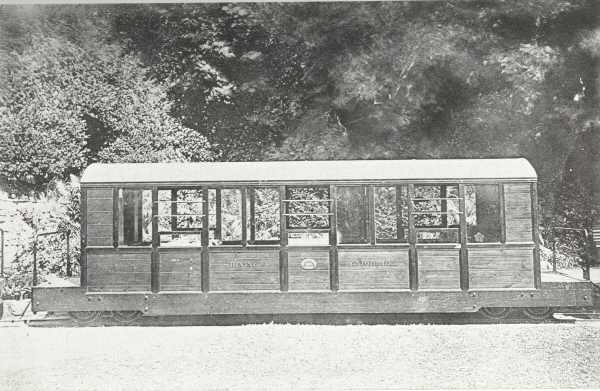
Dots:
pixel 109 320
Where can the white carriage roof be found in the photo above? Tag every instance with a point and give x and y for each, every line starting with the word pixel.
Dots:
pixel 296 171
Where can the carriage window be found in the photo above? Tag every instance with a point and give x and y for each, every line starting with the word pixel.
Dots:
pixel 180 217
pixel 352 214
pixel 436 210
pixel 483 213
pixel 231 216
pixel 391 214
pixel 264 215
pixel 307 212
pixel 135 217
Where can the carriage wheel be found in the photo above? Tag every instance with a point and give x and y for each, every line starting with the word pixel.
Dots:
pixel 126 317
pixel 85 317
pixel 538 313
pixel 495 313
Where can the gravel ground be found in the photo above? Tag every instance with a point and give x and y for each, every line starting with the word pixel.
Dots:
pixel 280 357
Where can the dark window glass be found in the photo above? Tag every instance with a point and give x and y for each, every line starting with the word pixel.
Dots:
pixel 135 217
pixel 352 214
pixel 483 213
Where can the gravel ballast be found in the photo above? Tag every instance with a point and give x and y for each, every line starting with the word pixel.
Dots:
pixel 279 357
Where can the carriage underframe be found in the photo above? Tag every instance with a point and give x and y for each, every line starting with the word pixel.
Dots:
pixel 551 294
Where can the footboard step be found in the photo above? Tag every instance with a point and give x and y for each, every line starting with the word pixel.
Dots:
pixel 564 317
pixel 579 316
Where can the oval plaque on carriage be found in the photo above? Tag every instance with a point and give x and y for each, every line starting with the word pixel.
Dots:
pixel 308 264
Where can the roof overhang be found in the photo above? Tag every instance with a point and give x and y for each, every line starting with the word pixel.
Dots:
pixel 312 171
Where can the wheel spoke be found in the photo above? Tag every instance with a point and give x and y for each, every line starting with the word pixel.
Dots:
pixel 495 313
pixel 126 317
pixel 538 313
pixel 85 317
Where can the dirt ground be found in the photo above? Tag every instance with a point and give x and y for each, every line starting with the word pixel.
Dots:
pixel 297 357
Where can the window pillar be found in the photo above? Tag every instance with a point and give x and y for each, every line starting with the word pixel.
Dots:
pixel 464 252
pixel 413 264
pixel 155 260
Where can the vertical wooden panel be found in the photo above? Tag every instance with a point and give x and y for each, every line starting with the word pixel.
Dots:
pixel 139 217
pixel 283 237
pixel 308 269
pixel 83 257
pixel 517 200
pixel 244 216
pixel 116 211
pixel 99 217
pixel 173 210
pixel 218 221
pixel 413 263
pixel 252 197
pixel 498 267
pixel 502 213
pixel 247 269
pixel 154 260
pixel 116 270
pixel 439 268
pixel 464 254
pixel 371 214
pixel 204 237
pixel 180 270
pixel 333 251
pixel 366 269
pixel 537 277
pixel 444 205
pixel 399 211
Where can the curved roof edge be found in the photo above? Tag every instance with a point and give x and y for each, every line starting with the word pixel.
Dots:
pixel 325 170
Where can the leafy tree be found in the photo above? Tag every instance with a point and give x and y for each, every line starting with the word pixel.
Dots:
pixel 65 105
pixel 229 78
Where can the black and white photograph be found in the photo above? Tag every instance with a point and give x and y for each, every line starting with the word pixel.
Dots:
pixel 352 195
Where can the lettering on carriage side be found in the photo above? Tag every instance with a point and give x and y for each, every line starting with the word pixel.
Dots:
pixel 371 262
pixel 242 264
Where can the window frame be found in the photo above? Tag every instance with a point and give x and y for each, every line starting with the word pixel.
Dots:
pixel 119 219
pixel 443 212
pixel 251 223
pixel 365 208
pixel 173 216
pixel 501 214
pixel 399 214
pixel 287 214
pixel 249 216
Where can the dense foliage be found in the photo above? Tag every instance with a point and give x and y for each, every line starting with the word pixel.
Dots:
pixel 66 104
pixel 307 81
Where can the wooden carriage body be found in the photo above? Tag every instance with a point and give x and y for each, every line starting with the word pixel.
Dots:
pixel 310 237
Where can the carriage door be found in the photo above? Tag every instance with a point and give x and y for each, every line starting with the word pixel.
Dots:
pixel 180 221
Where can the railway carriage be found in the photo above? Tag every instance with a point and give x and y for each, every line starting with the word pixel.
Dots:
pixel 373 236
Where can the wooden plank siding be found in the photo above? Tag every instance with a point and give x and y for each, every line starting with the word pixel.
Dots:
pixel 99 217
pixel 308 269
pixel 118 271
pixel 372 266
pixel 439 268
pixel 180 270
pixel 501 267
pixel 373 269
pixel 517 201
pixel 244 270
